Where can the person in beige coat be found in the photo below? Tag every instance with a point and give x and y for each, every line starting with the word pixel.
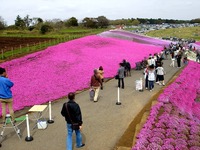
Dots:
pixel 101 73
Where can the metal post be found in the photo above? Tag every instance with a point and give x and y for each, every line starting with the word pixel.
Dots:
pixel 28 138
pixel 50 121
pixel 118 97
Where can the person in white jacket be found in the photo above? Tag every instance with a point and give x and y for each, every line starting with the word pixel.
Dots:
pixel 151 77
pixel 151 61
pixel 160 74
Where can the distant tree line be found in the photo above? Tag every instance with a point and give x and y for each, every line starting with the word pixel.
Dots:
pixel 28 23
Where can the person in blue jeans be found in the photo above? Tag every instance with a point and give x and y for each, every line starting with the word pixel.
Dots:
pixel 151 77
pixel 72 113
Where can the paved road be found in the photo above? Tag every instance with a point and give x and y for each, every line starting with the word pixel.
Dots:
pixel 104 121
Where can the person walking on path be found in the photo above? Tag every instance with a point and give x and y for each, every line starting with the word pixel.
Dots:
pixel 6 97
pixel 96 84
pixel 151 61
pixel 121 75
pixel 172 58
pixel 151 77
pixel 101 73
pixel 72 113
pixel 128 67
pixel 160 74
pixel 178 58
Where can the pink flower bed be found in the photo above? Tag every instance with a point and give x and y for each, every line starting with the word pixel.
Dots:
pixel 174 123
pixel 135 37
pixel 183 92
pixel 58 70
pixel 198 43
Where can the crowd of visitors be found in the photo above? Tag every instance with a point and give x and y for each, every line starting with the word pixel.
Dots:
pixel 154 72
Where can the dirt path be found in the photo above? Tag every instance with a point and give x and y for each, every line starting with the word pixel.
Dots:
pixel 104 121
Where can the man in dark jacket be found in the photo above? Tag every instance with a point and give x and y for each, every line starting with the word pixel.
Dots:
pixel 72 113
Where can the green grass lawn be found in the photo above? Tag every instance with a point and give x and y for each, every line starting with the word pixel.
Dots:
pixel 62 35
pixel 186 33
pixel 75 31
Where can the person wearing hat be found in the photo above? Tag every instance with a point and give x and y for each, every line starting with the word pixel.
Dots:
pixel 6 97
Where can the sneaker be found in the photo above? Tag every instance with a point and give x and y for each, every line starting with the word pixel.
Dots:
pixel 81 145
pixel 146 88
pixel 163 84
pixel 157 82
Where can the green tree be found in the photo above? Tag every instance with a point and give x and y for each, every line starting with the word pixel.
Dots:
pixel 197 20
pixel 19 22
pixel 71 22
pixel 45 28
pixel 135 22
pixel 27 21
pixel 39 20
pixel 55 23
pixel 36 23
pixel 90 22
pixel 2 23
pixel 102 22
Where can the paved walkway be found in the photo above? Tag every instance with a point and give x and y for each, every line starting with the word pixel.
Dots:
pixel 104 121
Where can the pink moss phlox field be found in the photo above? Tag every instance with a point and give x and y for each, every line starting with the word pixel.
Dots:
pixel 178 126
pixel 135 37
pixel 185 90
pixel 50 74
pixel 198 43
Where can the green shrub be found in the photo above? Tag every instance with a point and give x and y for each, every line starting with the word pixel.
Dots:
pixel 45 28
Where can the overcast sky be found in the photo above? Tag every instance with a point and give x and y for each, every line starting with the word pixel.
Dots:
pixel 112 9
